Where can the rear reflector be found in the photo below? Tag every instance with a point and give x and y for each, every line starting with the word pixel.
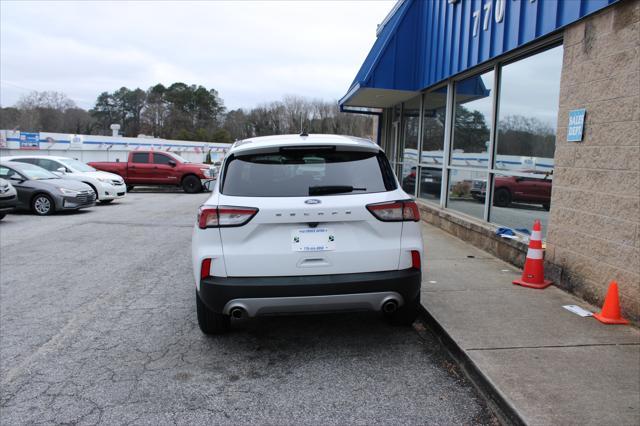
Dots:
pixel 415 259
pixel 395 211
pixel 214 217
pixel 205 269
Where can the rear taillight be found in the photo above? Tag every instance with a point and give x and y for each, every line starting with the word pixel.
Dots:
pixel 415 259
pixel 221 216
pixel 395 211
pixel 205 268
pixel 410 211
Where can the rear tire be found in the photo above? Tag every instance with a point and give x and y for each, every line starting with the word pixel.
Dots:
pixel 42 205
pixel 502 197
pixel 406 314
pixel 191 184
pixel 2 215
pixel 209 321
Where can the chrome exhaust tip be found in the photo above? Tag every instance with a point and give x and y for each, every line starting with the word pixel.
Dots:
pixel 236 312
pixel 390 306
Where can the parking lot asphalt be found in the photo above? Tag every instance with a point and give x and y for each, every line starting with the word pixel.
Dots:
pixel 98 325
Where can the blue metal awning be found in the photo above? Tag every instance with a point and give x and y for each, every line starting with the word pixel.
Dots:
pixel 422 43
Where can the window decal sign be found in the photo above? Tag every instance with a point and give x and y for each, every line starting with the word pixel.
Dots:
pixel 29 140
pixel 576 125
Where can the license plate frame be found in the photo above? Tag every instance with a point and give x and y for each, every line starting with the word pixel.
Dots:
pixel 313 240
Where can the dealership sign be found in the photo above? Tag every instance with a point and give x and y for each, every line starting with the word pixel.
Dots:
pixel 576 125
pixel 29 140
pixel 75 142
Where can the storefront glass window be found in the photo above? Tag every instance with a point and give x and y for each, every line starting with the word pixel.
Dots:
pixel 433 126
pixel 466 193
pixel 472 122
pixel 528 106
pixel 519 200
pixel 525 140
pixel 410 123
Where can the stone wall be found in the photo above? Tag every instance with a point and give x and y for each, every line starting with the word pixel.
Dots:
pixel 594 224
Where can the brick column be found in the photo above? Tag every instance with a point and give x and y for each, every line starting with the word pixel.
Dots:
pixel 594 224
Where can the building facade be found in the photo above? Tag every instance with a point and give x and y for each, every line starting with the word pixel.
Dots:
pixel 496 113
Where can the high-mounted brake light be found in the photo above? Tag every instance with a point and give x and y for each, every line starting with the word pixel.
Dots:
pixel 395 211
pixel 224 216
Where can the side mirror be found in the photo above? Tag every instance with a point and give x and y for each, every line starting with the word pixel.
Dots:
pixel 16 178
pixel 61 170
pixel 172 163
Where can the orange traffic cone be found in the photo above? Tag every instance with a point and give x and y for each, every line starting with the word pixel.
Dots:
pixel 533 274
pixel 611 309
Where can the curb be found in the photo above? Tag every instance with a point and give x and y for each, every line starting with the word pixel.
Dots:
pixel 498 403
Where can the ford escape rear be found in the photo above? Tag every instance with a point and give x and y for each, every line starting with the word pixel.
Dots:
pixel 306 224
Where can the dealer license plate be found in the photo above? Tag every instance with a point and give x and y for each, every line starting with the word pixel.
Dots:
pixel 313 239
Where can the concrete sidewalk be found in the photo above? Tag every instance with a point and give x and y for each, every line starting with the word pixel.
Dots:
pixel 547 364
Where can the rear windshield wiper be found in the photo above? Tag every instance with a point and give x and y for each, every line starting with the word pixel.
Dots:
pixel 332 189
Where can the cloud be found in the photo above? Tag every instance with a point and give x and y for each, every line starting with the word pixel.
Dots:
pixel 251 52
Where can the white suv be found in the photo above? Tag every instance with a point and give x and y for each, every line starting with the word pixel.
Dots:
pixel 306 223
pixel 107 186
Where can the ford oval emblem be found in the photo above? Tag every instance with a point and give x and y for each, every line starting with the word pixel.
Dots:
pixel 312 201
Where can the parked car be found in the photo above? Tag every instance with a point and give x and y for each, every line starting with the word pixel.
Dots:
pixel 42 192
pixel 306 224
pixel 8 198
pixel 159 168
pixel 430 181
pixel 508 189
pixel 107 186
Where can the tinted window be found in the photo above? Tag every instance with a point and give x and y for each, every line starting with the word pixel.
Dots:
pixel 161 159
pixel 52 166
pixel 292 173
pixel 141 157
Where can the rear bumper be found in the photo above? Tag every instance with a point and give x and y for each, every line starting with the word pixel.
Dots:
pixel 312 293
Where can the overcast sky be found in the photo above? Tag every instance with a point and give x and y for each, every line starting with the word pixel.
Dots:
pixel 251 52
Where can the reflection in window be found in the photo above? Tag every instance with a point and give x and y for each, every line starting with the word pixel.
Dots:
pixel 519 200
pixel 411 122
pixel 528 112
pixel 433 124
pixel 430 183
pixel 467 190
pixel 472 125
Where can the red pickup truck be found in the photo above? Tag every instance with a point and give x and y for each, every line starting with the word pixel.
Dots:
pixel 159 168
pixel 528 190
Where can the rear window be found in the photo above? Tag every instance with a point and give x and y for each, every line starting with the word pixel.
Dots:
pixel 307 172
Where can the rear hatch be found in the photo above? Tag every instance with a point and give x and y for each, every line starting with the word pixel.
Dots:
pixel 311 214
